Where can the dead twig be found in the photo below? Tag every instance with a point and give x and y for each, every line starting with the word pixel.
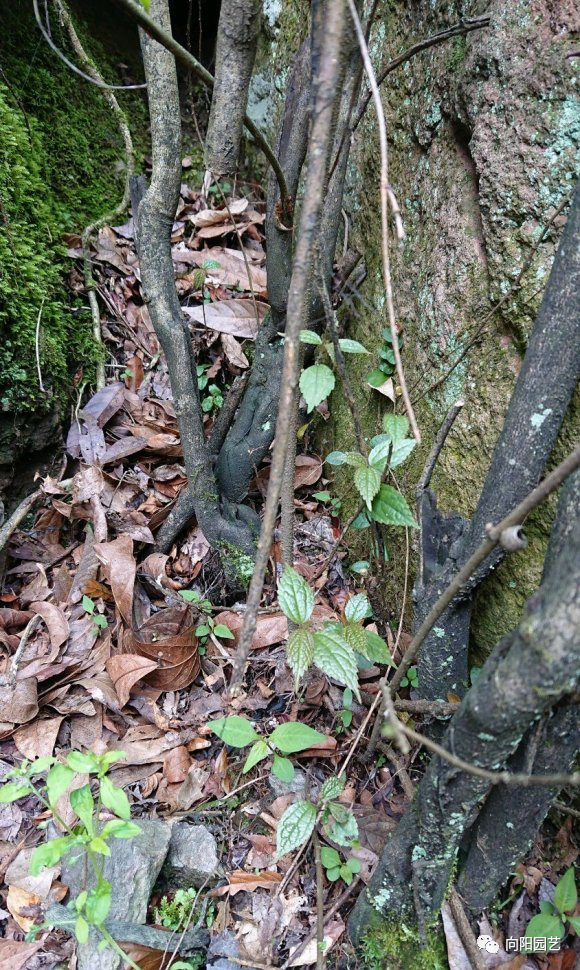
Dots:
pixel 9 679
pixel 15 519
pixel 320 958
pixel 342 899
pixel 464 930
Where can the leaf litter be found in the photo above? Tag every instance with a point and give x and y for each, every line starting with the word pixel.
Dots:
pixel 117 660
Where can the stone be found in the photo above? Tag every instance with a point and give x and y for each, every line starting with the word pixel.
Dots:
pixel 295 787
pixel 192 859
pixel 132 869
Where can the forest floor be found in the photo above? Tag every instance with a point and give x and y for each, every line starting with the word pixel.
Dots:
pixel 85 563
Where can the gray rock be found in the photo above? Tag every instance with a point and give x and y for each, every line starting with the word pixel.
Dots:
pixel 192 859
pixel 132 869
pixel 222 946
pixel 295 787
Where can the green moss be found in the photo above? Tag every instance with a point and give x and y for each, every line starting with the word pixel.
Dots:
pixel 237 564
pixel 61 167
pixel 396 946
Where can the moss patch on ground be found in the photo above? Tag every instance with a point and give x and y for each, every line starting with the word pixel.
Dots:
pixel 396 946
pixel 61 167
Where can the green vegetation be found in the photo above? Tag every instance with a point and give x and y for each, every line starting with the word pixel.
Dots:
pixel 61 166
pixel 397 946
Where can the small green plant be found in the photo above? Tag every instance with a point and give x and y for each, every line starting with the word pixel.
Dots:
pixel 333 503
pixel 209 625
pixel 386 366
pixel 335 647
pixel 335 868
pixel 88 836
pixel 384 503
pixel 175 911
pixel 411 678
pixel 89 605
pixel 214 397
pixel 298 821
pixel 317 381
pixel 345 715
pixel 548 928
pixel 289 738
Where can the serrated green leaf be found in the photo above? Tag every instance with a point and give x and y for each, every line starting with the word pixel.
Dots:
pixel 368 482
pixel 310 337
pixel 316 383
pixel 13 790
pixel 282 768
pixel 336 458
pixel 235 730
pixel 355 459
pixel 334 657
pixel 115 799
pixel 544 926
pixel 358 608
pixel 342 829
pixel 352 347
pixel 223 631
pixel 295 596
pixel 81 925
pixel 401 451
pixel 83 805
pixel 258 752
pixel 57 781
pixel 390 508
pixel 49 854
pixel 299 652
pixel 355 636
pixel 332 788
pixel 566 895
pixel 377 649
pixel 295 827
pixel 329 857
pixel 380 453
pixel 396 426
pixel 294 736
pixel 98 903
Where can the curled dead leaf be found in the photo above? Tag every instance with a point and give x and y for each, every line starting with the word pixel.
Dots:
pixel 125 670
pixel 168 638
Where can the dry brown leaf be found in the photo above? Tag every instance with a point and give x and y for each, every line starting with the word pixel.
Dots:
pixel 332 933
pixel 125 670
pixel 17 875
pixel 212 217
pixel 143 746
pixel 308 469
pixel 56 622
pixel 233 351
pixel 167 637
pixel 118 560
pixel 37 740
pixel 15 955
pixel 237 317
pixel 24 907
pixel 176 765
pixel 241 881
pixel 271 628
pixel 19 704
pixel 388 389
pixel 180 797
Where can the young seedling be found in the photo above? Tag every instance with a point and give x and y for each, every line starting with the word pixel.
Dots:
pixel 549 926
pixel 289 738
pixel 336 868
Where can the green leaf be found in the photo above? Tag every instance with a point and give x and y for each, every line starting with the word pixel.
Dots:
pixel 13 790
pixel 300 652
pixel 294 736
pixel 352 347
pixel 119 829
pixel 295 827
pixel 322 496
pixel 376 378
pixel 332 788
pixel 190 595
pixel 310 337
pixel 316 383
pixel 49 854
pixel 336 458
pixel 282 768
pixel 575 923
pixel 396 426
pixel 235 730
pixel 341 825
pixel 544 925
pixel 355 636
pixel 329 857
pixel 99 903
pixel 379 455
pixel 80 901
pixel 346 874
pixel 115 799
pixel 39 766
pixel 353 864
pixel 333 874
pixel 85 763
pixel 110 758
pixel 355 459
pixel 57 781
pixel 295 596
pixel 221 630
pixel 82 803
pixel 390 508
pixel 99 846
pixel 401 451
pixel 88 605
pixel 566 896
pixel 334 657
pixel 358 608
pixel 81 925
pixel 360 566
pixel 202 631
pixel 258 752
pixel 368 482
pixel 377 649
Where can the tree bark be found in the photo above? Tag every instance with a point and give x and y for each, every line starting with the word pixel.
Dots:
pixel 541 396
pixel 528 673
